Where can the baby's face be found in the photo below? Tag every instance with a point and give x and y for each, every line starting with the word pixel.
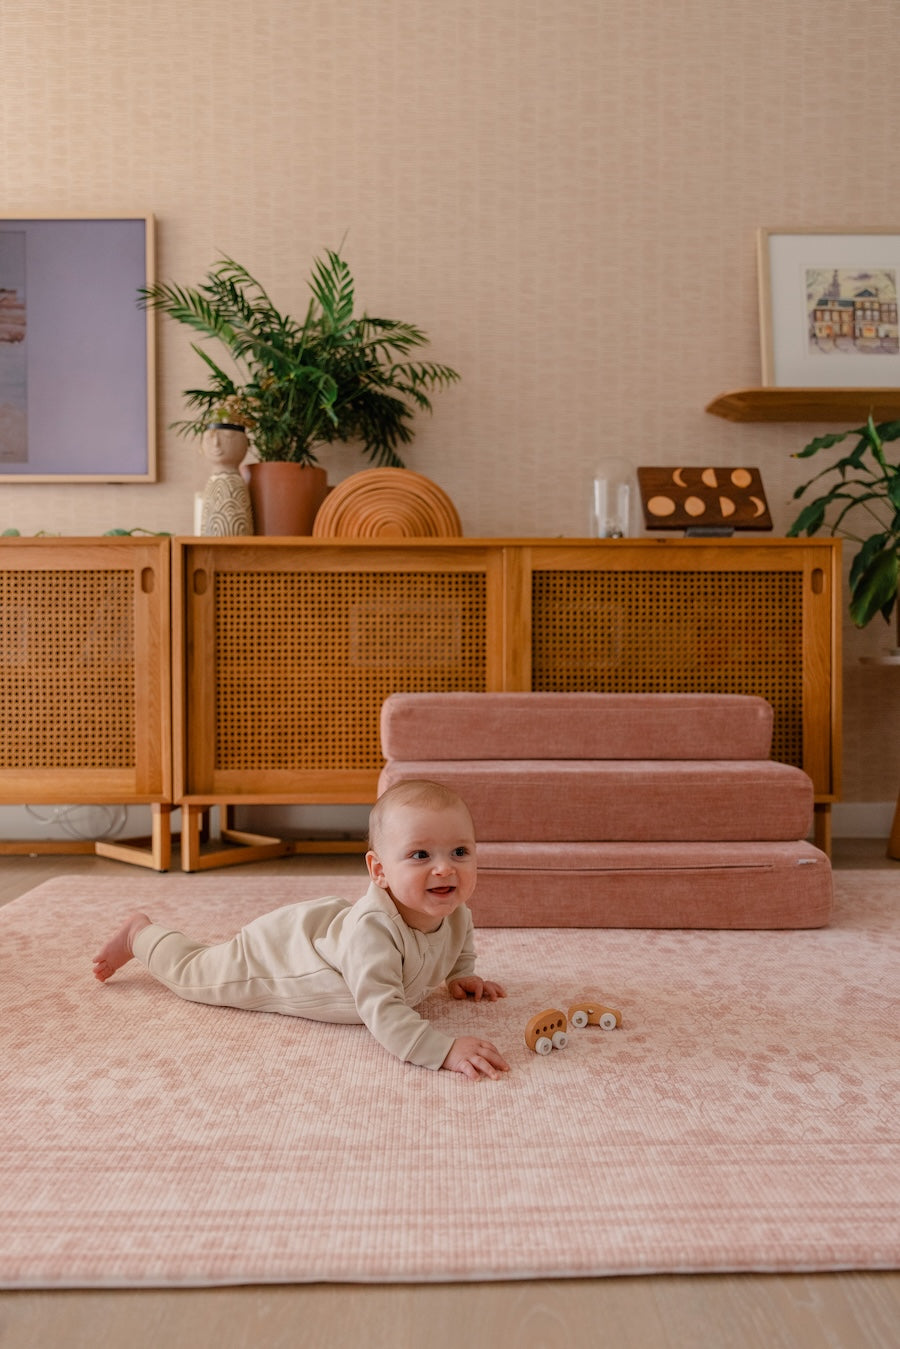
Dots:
pixel 425 859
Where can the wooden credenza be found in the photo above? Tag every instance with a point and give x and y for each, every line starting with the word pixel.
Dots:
pixel 284 650
pixel 85 680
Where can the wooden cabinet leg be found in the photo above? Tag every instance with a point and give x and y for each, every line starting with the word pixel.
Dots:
pixel 154 852
pixel 822 826
pixel 893 847
pixel 192 824
pixel 161 837
pixel 243 846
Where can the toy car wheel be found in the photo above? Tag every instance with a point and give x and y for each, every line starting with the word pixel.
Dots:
pixel 607 1021
pixel 560 1039
pixel 579 1019
pixel 543 1045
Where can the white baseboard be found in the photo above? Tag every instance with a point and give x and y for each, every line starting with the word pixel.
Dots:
pixel 862 819
pixel 850 819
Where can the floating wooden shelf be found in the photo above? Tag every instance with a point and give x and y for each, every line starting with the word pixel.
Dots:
pixel 806 405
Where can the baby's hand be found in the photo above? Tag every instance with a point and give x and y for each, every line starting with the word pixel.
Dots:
pixel 475 1058
pixel 479 988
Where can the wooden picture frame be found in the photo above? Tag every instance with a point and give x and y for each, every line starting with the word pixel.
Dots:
pixel 828 307
pixel 77 353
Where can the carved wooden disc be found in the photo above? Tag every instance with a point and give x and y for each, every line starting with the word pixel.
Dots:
pixel 387 503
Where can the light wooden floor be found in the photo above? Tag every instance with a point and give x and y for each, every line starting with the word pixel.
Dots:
pixel 840 1311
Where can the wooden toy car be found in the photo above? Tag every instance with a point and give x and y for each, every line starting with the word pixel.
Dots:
pixel 546 1031
pixel 594 1014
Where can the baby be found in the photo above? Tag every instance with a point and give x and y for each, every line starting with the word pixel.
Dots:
pixel 370 961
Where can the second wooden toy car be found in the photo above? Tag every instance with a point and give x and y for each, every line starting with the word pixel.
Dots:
pixel 594 1014
pixel 546 1031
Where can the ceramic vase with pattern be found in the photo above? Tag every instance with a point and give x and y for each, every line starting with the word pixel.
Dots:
pixel 226 508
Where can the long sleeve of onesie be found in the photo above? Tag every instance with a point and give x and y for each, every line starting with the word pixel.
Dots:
pixel 389 967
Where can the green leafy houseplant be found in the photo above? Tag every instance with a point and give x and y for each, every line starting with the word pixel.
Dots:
pixel 296 384
pixel 869 485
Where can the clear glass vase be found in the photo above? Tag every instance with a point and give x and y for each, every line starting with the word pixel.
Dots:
pixel 613 504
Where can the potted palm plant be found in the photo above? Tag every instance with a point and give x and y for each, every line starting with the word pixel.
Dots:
pixel 296 385
pixel 868 487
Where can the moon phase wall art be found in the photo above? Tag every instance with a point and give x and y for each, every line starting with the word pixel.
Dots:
pixel 703 498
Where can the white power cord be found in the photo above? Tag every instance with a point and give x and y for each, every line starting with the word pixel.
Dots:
pixel 66 817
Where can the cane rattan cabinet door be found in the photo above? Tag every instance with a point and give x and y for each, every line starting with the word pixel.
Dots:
pixel 698 616
pixel 290 650
pixel 85 655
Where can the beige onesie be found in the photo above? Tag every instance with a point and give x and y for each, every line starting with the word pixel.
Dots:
pixel 328 960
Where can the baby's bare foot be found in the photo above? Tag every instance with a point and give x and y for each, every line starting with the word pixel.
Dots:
pixel 120 947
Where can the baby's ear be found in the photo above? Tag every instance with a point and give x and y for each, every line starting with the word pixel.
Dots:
pixel 376 870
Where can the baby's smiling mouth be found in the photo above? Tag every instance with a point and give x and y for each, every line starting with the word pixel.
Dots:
pixel 441 890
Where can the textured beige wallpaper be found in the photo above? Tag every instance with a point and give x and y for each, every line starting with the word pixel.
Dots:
pixel 564 195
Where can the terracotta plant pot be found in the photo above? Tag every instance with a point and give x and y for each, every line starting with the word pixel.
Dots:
pixel 285 497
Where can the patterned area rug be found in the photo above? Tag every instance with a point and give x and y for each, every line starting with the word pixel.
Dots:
pixel 746 1116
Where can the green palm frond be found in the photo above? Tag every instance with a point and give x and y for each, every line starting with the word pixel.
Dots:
pixel 331 376
pixel 868 490
pixel 332 287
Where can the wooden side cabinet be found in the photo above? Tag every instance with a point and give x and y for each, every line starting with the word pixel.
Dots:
pixel 285 650
pixel 696 616
pixel 85 683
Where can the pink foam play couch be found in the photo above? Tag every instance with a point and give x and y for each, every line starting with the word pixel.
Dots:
pixel 619 810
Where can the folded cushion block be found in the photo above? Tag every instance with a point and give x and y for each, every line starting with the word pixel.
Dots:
pixel 659 885
pixel 575 726
pixel 619 810
pixel 638 800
